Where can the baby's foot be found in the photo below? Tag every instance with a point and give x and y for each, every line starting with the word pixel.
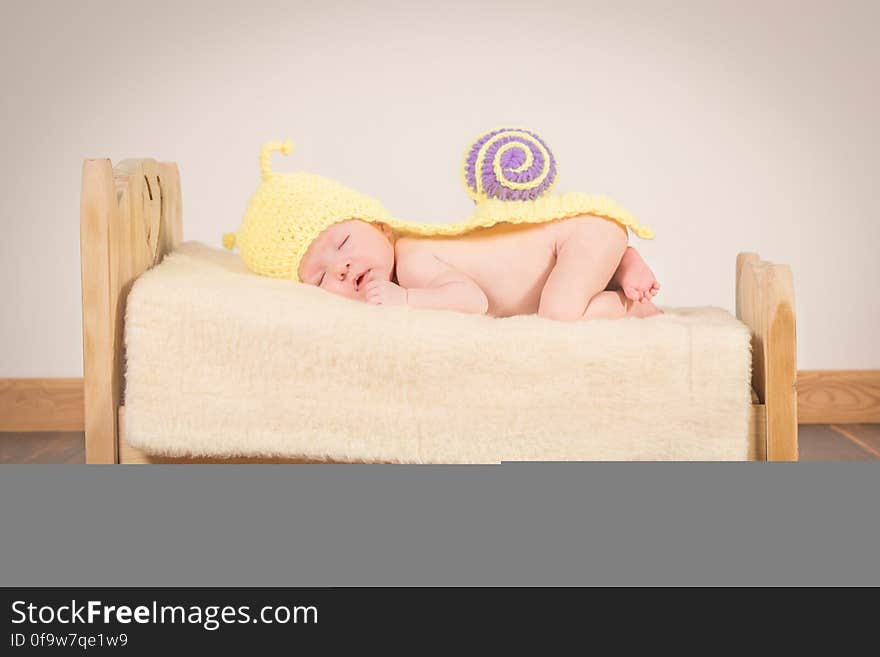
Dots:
pixel 635 278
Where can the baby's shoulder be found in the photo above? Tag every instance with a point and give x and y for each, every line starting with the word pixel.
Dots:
pixel 414 248
pixel 416 262
pixel 404 244
pixel 406 249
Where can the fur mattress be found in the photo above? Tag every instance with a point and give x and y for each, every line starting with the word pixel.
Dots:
pixel 221 362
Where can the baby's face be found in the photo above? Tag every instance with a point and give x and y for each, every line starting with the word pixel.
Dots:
pixel 346 255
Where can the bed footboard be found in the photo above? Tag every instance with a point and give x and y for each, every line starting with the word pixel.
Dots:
pixel 130 217
pixel 765 303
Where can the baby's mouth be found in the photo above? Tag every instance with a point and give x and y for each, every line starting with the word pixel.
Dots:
pixel 360 279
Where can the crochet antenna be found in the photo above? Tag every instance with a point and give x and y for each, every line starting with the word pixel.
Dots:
pixel 286 148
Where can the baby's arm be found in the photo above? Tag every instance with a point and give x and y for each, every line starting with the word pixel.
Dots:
pixel 431 283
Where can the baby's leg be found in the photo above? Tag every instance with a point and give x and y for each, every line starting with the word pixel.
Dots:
pixel 585 262
pixel 634 277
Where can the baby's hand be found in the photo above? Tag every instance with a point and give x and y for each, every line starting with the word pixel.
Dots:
pixel 385 293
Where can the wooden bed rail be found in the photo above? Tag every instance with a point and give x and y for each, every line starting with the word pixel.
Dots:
pixel 765 303
pixel 130 217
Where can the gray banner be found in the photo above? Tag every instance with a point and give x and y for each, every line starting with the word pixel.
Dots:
pixel 514 524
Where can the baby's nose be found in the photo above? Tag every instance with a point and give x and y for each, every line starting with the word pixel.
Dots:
pixel 343 270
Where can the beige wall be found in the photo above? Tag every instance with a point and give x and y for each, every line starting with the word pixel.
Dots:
pixel 726 126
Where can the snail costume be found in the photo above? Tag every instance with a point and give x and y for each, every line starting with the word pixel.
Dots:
pixel 508 173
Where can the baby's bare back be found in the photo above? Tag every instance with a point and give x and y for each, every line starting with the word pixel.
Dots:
pixel 511 263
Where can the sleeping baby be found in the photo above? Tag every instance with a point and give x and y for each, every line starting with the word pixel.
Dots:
pixel 522 251
pixel 568 269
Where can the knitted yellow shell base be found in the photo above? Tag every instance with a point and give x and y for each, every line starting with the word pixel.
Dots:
pixel 289 210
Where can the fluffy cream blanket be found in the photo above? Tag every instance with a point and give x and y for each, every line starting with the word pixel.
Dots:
pixel 221 362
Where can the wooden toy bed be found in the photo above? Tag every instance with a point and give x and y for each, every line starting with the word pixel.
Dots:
pixel 131 218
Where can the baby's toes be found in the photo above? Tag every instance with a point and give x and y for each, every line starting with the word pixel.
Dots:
pixel 632 293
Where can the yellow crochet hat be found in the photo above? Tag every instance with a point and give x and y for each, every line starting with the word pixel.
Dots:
pixel 289 210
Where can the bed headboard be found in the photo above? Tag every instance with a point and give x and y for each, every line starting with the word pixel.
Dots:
pixel 130 217
pixel 765 302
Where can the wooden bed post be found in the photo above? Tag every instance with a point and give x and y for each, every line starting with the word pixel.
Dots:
pixel 130 217
pixel 765 302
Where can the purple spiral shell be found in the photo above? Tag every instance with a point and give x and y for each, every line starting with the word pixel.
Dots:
pixel 510 164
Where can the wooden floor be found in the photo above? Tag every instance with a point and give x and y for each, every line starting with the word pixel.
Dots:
pixel 818 442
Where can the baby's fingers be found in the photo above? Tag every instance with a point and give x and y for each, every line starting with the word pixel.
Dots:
pixel 371 292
